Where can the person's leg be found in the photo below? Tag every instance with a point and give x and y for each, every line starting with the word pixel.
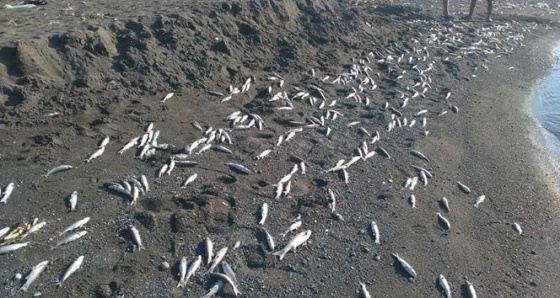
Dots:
pixel 445 8
pixel 489 11
pixel 471 9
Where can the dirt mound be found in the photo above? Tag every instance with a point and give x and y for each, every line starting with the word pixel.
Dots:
pixel 206 47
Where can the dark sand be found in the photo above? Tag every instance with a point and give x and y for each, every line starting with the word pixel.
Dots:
pixel 109 79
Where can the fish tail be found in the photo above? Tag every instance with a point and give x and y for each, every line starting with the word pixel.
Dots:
pixel 280 253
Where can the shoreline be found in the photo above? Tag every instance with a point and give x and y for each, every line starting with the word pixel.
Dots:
pixel 503 171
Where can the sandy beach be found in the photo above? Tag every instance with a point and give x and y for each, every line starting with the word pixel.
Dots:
pixel 103 70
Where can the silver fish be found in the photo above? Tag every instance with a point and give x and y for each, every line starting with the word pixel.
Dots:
pixel 517 228
pixel 182 272
pixel 11 247
pixel 145 184
pixel 446 291
pixel 215 289
pixel 239 168
pixel 36 227
pixel 412 200
pixel 218 258
pixel 228 280
pixel 263 154
pixel 58 169
pixel 419 155
pixel 405 265
pixel 375 231
pixel 209 250
pixel 73 200
pixel 71 269
pixel 264 213
pixel 222 149
pixel 136 237
pixel 80 223
pixel 70 238
pixel 104 142
pixel 32 276
pixel 443 222
pixel 445 203
pixel 269 240
pixel 296 241
pixel 95 154
pixel 292 228
pixel 129 145
pixel 479 200
pixel 193 267
pixel 168 96
pixel 464 188
pixel 191 178
pixel 423 177
pixel 7 193
pixel 229 271
pixel 470 290
pixel 365 291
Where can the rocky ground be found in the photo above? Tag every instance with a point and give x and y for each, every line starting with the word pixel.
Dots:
pixel 104 69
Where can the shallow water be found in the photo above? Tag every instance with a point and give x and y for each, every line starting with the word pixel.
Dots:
pixel 546 108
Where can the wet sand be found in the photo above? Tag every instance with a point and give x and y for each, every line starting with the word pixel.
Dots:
pixel 109 81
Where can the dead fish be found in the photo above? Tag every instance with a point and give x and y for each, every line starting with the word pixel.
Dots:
pixel 129 145
pixel 186 163
pixel 136 237
pixel 3 232
pixel 7 193
pixel 11 247
pixel 279 189
pixel 443 222
pixel 189 180
pixel 32 276
pixel 209 250
pixel 103 142
pixel 145 184
pixel 264 213
pixel 71 269
pixel 228 280
pixel 163 170
pixel 215 289
pixel 423 177
pixel 517 228
pixel 375 232
pixel 345 175
pixel 58 169
pixel 182 272
pixel 218 258
pixel 383 152
pixel 470 290
pixel 421 169
pixel 445 203
pixel 73 200
pixel 269 240
pixel 36 227
pixel 222 149
pixel 193 268
pixel 226 268
pixel 455 109
pixel 135 195
pixel 365 291
pixel 419 155
pixel 464 188
pixel 70 238
pixel 412 200
pixel 291 228
pixel 239 168
pixel 263 154
pixel 332 202
pixel 407 182
pixel 479 200
pixel 80 223
pixel 404 264
pixel 413 183
pixel 446 291
pixel 118 188
pixel 95 154
pixel 296 241
pixel 168 96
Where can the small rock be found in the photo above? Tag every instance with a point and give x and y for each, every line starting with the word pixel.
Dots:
pixel 164 266
pixel 18 276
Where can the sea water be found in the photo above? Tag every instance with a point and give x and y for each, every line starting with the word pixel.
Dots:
pixel 546 109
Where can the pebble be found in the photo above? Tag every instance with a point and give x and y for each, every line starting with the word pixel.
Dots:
pixel 18 276
pixel 164 265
